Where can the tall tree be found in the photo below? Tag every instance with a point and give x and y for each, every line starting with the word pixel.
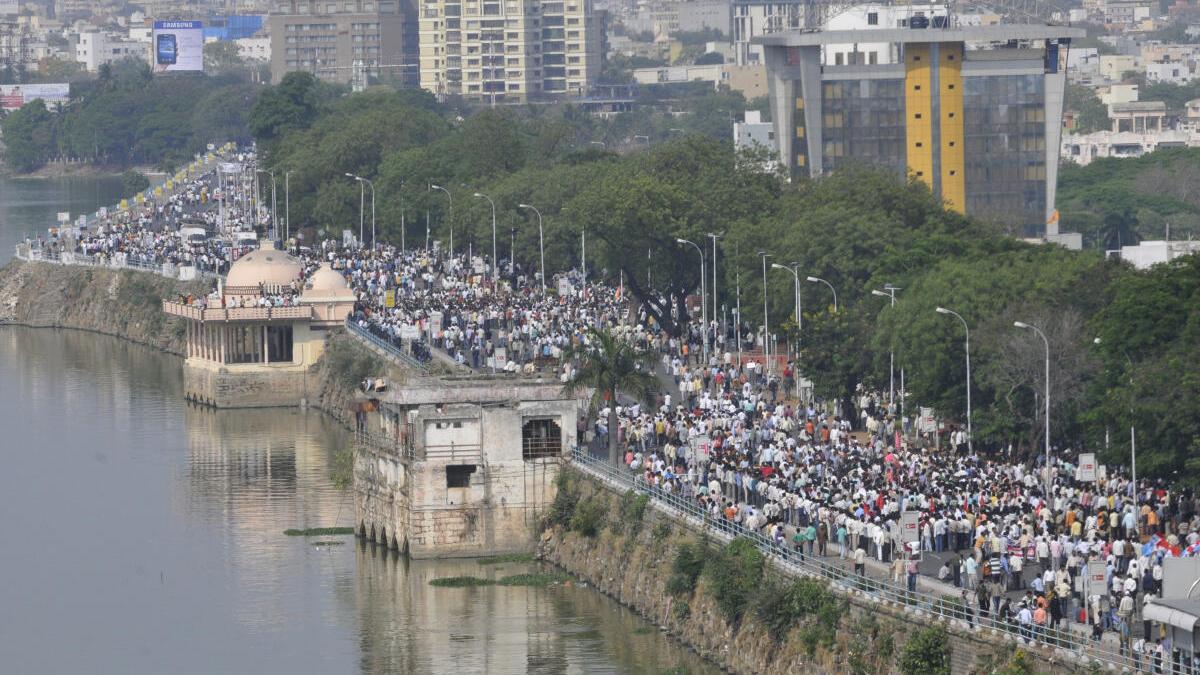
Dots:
pixel 609 365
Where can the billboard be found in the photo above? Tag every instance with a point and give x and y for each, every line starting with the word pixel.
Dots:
pixel 13 96
pixel 178 46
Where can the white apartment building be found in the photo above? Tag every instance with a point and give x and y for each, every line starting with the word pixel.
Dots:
pixel 254 48
pixel 509 50
pixel 752 18
pixel 874 16
pixel 94 49
pixel 1084 148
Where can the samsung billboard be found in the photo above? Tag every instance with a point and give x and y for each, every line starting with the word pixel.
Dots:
pixel 178 46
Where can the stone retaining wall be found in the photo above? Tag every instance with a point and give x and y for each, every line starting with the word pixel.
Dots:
pixel 634 568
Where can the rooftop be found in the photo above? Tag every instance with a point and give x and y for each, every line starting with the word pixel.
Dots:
pixel 1139 106
pixel 999 33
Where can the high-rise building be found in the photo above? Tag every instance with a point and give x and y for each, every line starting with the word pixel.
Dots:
pixel 509 50
pixel 975 112
pixel 344 41
pixel 755 18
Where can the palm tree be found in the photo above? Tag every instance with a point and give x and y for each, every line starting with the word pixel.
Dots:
pixel 609 365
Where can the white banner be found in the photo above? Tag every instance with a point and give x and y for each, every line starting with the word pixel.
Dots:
pixel 910 527
pixel 1087 467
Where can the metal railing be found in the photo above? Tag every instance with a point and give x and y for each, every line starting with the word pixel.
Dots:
pixel 396 353
pixel 1071 646
pixel 197 313
pixel 29 254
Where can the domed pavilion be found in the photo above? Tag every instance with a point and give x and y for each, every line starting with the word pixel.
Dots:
pixel 251 343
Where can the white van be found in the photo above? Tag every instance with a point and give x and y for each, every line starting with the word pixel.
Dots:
pixel 193 235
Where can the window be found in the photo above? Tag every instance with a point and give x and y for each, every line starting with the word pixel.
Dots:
pixel 872 18
pixel 541 438
pixel 459 475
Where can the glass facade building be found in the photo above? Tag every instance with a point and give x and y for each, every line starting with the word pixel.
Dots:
pixel 1005 136
pixel 974 112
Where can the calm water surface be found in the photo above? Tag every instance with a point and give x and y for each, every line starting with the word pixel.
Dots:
pixel 141 535
pixel 30 205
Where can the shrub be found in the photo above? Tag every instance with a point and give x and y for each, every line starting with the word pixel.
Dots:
pixel 631 513
pixel 686 568
pixel 735 573
pixel 349 362
pixel 927 652
pixel 781 607
pixel 133 182
pixel 562 509
pixel 589 515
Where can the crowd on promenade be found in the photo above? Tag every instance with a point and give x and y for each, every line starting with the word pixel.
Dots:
pixel 747 450
pixel 739 439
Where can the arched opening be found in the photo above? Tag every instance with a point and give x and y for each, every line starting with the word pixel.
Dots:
pixel 541 438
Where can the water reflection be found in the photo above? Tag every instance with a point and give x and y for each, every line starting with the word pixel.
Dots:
pixel 409 626
pixel 148 535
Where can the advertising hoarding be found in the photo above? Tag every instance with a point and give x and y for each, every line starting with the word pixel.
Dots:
pixel 13 96
pixel 177 46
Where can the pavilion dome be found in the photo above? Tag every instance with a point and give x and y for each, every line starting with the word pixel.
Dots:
pixel 265 266
pixel 326 285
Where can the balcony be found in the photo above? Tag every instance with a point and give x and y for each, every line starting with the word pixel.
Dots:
pixel 236 313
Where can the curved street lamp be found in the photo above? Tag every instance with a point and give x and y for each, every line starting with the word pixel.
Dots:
pixel 831 289
pixel 541 242
pixel 967 329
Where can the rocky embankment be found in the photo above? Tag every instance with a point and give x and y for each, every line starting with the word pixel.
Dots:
pixel 628 550
pixel 122 303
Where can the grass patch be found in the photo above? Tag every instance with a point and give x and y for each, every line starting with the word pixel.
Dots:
pixel 461 582
pixel 319 531
pixel 507 558
pixel 538 579
pixel 644 630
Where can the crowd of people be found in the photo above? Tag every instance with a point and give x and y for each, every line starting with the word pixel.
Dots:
pixel 741 439
pixel 836 483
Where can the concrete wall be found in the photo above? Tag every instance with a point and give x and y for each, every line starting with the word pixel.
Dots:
pixel 633 566
pixel 407 493
pixel 241 386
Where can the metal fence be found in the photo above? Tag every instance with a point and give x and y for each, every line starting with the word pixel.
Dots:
pixel 1069 646
pixel 406 359
pixel 29 254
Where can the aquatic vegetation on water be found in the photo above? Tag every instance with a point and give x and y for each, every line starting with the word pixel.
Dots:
pixel 319 531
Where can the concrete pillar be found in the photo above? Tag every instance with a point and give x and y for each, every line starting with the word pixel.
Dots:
pixel 264 344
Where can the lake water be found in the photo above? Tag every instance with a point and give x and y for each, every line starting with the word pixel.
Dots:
pixel 144 535
pixel 30 205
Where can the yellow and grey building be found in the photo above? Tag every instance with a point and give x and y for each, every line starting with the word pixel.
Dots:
pixel 974 112
pixel 509 50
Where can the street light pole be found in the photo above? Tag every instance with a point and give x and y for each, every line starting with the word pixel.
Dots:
pixel 967 329
pixel 703 297
pixel 495 258
pixel 766 320
pixel 287 205
pixel 889 291
pixel 362 205
pixel 541 243
pixel 715 312
pixel 450 217
pixel 363 183
pixel 1049 474
pixel 831 289
pixel 795 288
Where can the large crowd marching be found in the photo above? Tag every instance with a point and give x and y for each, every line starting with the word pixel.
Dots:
pixel 748 448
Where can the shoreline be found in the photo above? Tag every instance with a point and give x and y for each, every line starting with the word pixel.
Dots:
pixel 57 171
